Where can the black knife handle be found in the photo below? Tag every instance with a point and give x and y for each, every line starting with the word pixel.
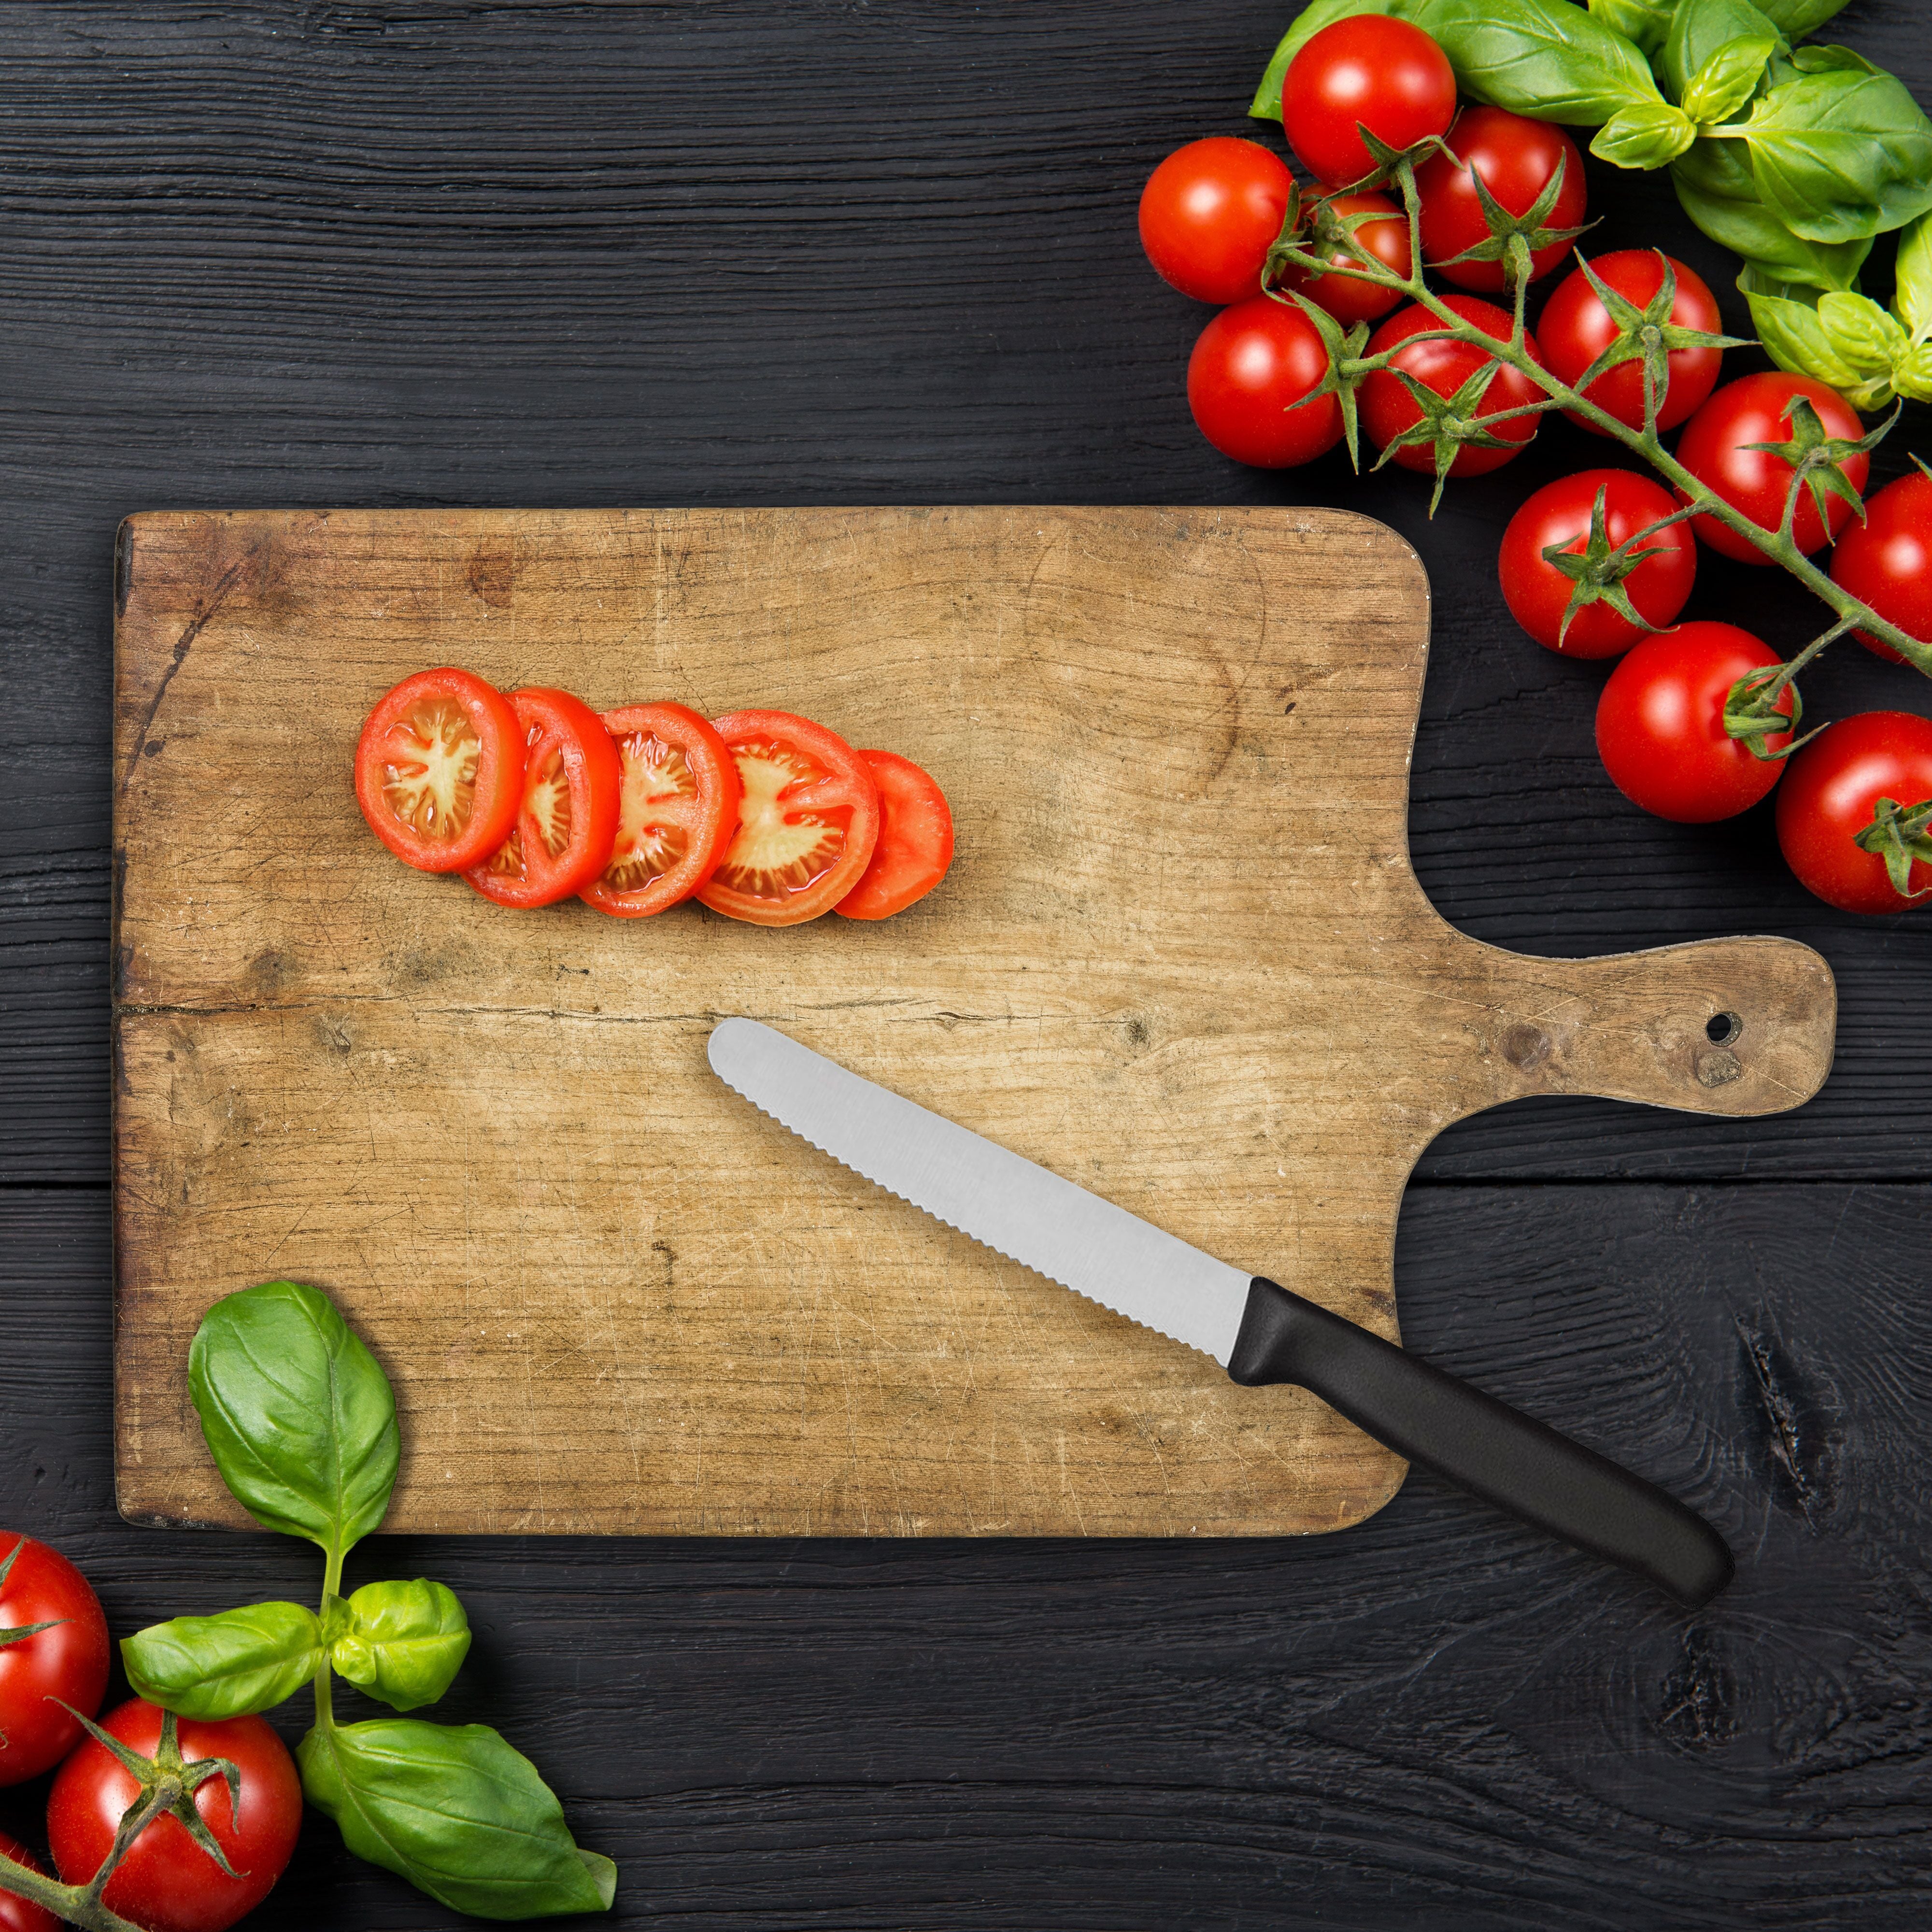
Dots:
pixel 1479 1444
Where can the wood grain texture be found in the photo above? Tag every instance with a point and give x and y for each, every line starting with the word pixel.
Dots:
pixel 1183 959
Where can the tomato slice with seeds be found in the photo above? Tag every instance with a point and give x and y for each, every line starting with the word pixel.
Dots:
pixel 677 813
pixel 915 840
pixel 807 824
pixel 567 819
pixel 440 769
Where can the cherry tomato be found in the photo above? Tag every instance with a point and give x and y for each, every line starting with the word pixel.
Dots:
pixel 677 812
pixel 1383 74
pixel 1558 516
pixel 915 840
pixel 1385 236
pixel 439 770
pixel 1253 363
pixel 17 1914
pixel 1387 408
pixel 1209 215
pixel 573 781
pixel 1516 158
pixel 1575 329
pixel 1886 561
pixel 1827 801
pixel 1660 729
pixel 53 1644
pixel 1714 447
pixel 807 825
pixel 167 1882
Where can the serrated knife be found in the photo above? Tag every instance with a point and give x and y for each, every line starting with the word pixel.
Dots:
pixel 1257 1330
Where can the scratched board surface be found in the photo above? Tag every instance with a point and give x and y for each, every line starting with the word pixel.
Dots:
pixel 1181 958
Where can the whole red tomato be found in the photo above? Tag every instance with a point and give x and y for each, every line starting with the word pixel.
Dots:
pixel 167 1882
pixel 1660 729
pixel 1886 561
pixel 1387 75
pixel 1576 327
pixel 1387 408
pixel 1828 799
pixel 1715 449
pixel 1253 363
pixel 53 1644
pixel 1557 516
pixel 1210 213
pixel 1385 235
pixel 17 1914
pixel 1516 158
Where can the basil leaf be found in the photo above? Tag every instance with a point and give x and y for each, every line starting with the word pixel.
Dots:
pixel 1825 60
pixel 1714 185
pixel 456 1812
pixel 1542 57
pixel 1266 105
pixel 1645 135
pixel 1790 331
pixel 1867 338
pixel 1642 22
pixel 1701 32
pixel 1841 155
pixel 403 1642
pixel 229 1666
pixel 1794 19
pixel 298 1414
pixel 1913 297
pixel 1728 79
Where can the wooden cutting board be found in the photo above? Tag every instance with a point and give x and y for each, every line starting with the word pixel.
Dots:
pixel 1181 958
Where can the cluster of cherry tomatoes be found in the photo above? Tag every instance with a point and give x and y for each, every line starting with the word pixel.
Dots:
pixel 53 1674
pixel 1209 216
pixel 535 798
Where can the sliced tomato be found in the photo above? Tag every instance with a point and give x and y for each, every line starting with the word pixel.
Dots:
pixel 807 824
pixel 440 769
pixel 567 821
pixel 915 840
pixel 677 813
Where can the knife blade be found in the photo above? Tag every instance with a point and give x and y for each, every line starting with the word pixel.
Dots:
pixel 1258 1331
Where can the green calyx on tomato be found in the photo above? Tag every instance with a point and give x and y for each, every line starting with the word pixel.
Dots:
pixel 1647 336
pixel 1817 460
pixel 1458 203
pixel 302 1422
pixel 1600 569
pixel 1897 834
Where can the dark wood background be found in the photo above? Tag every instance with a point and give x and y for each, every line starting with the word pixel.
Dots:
pixel 829 251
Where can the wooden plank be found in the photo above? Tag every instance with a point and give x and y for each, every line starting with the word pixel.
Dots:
pixel 1182 959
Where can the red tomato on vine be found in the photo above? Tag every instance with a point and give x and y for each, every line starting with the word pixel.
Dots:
pixel 1575 329
pixel 1384 233
pixel 1517 159
pixel 1381 73
pixel 1247 379
pixel 53 1651
pixel 1886 561
pixel 1387 408
pixel 1209 214
pixel 1829 798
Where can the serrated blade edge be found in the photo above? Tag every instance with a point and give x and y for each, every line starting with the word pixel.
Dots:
pixel 1002 1200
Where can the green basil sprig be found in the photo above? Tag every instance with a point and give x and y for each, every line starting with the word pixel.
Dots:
pixel 302 1422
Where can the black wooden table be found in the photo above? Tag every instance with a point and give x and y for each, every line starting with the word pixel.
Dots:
pixel 424 252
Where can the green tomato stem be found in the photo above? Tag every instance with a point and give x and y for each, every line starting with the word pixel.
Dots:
pixel 71 1903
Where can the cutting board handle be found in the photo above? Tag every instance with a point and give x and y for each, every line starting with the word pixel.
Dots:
pixel 1719 1026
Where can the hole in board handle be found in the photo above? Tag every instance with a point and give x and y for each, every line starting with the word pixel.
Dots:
pixel 1721 1029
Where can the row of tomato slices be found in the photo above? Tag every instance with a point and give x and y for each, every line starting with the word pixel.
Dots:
pixel 535 798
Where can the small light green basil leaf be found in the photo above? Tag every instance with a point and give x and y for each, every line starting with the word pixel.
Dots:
pixel 298 1414
pixel 1647 134
pixel 1797 335
pixel 1861 332
pixel 229 1666
pixel 1728 79
pixel 1714 185
pixel 1825 60
pixel 1701 33
pixel 1794 19
pixel 456 1812
pixel 1913 298
pixel 1841 156
pixel 1266 105
pixel 1912 376
pixel 1642 22
pixel 404 1642
pixel 1542 57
